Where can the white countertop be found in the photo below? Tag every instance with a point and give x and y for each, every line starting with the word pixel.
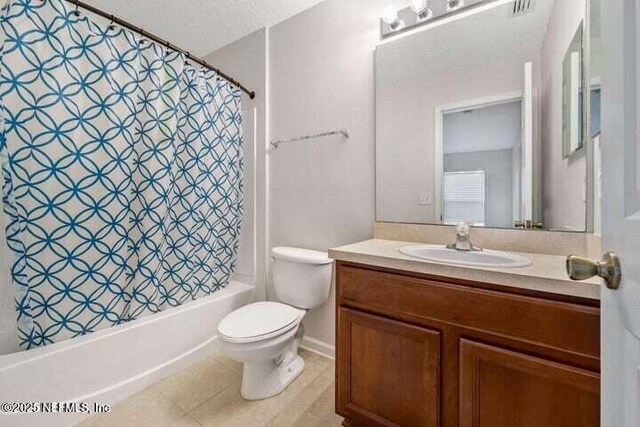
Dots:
pixel 546 273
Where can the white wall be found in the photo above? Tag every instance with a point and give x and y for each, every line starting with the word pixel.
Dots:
pixel 246 61
pixel 320 74
pixel 322 78
pixel 563 179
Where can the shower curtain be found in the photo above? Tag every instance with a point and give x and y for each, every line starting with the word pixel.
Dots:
pixel 122 173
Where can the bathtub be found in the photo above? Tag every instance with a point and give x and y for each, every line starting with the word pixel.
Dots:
pixel 107 366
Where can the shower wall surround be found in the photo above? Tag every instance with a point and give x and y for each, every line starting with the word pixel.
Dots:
pixel 122 169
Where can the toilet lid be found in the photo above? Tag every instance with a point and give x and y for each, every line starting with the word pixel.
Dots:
pixel 304 256
pixel 259 320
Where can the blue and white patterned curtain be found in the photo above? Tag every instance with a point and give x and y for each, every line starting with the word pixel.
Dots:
pixel 122 173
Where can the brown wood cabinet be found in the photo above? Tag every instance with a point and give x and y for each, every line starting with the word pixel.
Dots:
pixel 416 350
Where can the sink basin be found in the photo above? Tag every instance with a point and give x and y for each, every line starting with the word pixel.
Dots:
pixel 486 258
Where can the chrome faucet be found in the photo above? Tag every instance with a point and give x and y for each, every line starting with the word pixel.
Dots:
pixel 463 242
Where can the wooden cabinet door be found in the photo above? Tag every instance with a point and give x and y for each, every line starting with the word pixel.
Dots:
pixel 502 388
pixel 388 372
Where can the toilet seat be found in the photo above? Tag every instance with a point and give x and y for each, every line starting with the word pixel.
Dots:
pixel 259 321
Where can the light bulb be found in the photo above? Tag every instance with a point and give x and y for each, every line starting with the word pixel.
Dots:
pixel 390 16
pixel 454 5
pixel 421 9
pixel 419 6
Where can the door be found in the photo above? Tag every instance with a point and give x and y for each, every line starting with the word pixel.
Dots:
pixel 388 371
pixel 503 388
pixel 620 141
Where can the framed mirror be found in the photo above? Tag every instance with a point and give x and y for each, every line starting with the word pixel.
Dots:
pixel 480 118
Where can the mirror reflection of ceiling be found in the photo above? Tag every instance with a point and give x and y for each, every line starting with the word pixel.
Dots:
pixel 480 38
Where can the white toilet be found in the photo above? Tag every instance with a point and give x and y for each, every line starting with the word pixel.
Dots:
pixel 265 335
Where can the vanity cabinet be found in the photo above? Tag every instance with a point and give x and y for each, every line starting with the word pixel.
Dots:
pixel 418 350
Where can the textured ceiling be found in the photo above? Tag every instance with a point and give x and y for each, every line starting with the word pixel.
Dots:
pixel 202 26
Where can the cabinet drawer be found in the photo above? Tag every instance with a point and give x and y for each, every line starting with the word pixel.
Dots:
pixel 560 325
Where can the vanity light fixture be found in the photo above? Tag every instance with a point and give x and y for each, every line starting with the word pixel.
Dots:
pixel 421 9
pixel 391 18
pixel 454 5
pixel 423 12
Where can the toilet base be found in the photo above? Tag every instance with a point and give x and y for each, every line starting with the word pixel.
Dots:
pixel 261 380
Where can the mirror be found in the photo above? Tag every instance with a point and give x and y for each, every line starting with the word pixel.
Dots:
pixel 479 118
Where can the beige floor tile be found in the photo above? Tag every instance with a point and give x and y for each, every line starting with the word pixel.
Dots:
pixel 147 408
pixel 313 369
pixel 229 409
pixel 315 358
pixel 209 391
pixel 223 409
pixel 309 420
pixel 196 384
pixel 228 362
pixel 325 403
pixel 303 401
pixel 331 419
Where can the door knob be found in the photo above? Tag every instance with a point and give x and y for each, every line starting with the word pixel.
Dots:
pixel 579 268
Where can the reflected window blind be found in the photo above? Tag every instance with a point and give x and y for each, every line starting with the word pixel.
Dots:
pixel 464 197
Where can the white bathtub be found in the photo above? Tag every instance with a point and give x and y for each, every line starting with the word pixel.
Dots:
pixel 109 365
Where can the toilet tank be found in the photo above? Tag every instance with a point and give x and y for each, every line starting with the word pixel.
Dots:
pixel 301 277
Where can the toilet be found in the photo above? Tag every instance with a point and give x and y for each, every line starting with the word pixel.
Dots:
pixel 265 335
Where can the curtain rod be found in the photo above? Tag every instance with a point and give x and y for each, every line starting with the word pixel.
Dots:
pixel 121 22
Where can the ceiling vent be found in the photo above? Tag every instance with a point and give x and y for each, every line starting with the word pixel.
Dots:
pixel 521 7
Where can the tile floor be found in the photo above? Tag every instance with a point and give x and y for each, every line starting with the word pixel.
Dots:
pixel 207 393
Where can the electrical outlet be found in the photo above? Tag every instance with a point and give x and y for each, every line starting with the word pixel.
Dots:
pixel 425 199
